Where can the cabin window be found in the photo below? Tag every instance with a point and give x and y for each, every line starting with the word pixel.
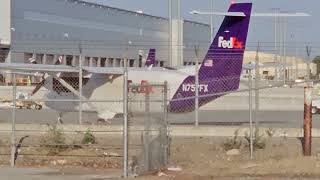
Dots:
pixel 110 62
pixel 103 62
pixel 161 63
pixel 140 60
pixel 87 61
pixel 39 58
pixel 69 60
pixel 3 54
pixel 131 62
pixel 118 62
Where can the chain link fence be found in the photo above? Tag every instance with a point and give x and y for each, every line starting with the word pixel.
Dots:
pixel 53 123
pixel 217 92
pixel 148 122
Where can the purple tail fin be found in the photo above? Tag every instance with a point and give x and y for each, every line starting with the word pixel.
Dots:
pixel 222 66
pixel 151 59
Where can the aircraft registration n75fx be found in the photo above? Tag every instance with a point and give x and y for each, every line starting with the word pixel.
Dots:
pixel 219 72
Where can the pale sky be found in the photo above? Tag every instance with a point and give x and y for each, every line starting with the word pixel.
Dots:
pixel 303 30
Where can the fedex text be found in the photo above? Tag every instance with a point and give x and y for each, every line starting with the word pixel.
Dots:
pixel 141 89
pixel 230 44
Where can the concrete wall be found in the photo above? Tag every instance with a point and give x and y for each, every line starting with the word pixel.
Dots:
pixel 5 12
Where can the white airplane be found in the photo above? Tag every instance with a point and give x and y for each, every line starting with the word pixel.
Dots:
pixel 219 72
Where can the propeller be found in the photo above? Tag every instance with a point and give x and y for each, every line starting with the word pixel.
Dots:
pixel 39 85
pixel 42 75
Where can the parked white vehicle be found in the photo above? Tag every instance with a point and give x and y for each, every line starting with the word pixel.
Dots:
pixel 315 106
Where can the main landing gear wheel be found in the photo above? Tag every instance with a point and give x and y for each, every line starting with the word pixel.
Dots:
pixel 60 118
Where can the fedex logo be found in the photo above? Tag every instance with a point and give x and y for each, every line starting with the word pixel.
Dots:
pixel 142 89
pixel 192 88
pixel 230 44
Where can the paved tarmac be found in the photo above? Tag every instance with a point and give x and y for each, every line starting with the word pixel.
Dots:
pixel 7 173
pixel 290 119
pixel 54 174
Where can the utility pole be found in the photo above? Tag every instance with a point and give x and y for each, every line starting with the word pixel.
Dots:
pixel 308 51
pixel 280 48
pixel 276 42
pixel 307 121
pixel 285 71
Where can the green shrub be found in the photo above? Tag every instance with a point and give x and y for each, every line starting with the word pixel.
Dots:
pixel 233 143
pixel 259 141
pixel 88 138
pixel 54 140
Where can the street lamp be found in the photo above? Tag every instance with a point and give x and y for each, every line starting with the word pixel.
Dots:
pixel 211 22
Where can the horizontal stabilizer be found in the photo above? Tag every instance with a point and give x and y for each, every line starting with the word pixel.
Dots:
pixel 234 14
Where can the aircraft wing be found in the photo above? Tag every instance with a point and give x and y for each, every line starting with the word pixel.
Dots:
pixel 104 70
pixel 21 67
pixel 36 67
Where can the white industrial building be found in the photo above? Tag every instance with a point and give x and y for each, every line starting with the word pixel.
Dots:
pixel 47 30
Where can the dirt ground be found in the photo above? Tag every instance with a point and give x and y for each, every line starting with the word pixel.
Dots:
pixel 198 157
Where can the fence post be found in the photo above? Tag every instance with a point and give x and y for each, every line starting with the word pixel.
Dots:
pixel 80 84
pixel 196 77
pixel 307 122
pixel 125 120
pixel 166 123
pixel 13 133
pixel 146 135
pixel 250 114
pixel 256 87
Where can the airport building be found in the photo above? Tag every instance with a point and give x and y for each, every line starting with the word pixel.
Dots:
pixel 296 66
pixel 49 30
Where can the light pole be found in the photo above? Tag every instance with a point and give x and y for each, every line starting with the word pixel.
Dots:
pixel 170 32
pixel 211 21
pixel 276 10
pixel 285 70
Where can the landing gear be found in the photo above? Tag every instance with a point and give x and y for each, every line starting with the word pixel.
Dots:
pixel 103 121
pixel 60 118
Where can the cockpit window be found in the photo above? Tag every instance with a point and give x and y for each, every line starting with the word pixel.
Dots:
pixel 3 54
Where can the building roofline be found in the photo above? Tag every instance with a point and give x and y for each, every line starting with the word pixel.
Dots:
pixel 133 12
